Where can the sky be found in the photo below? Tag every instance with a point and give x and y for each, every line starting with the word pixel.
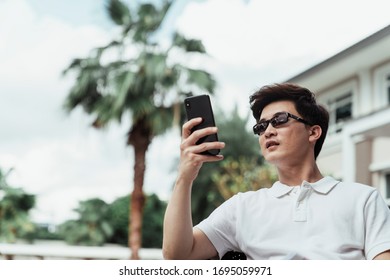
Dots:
pixel 62 160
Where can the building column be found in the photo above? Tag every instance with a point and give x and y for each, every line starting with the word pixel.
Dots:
pixel 349 157
pixel 365 89
pixel 354 132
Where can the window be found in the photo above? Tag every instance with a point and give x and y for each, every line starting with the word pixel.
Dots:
pixel 381 89
pixel 340 110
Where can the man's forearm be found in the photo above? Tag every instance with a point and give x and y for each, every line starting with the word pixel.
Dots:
pixel 178 232
pixel 383 256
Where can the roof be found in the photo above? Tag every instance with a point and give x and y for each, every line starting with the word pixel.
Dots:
pixel 352 50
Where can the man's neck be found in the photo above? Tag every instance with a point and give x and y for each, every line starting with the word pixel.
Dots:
pixel 295 175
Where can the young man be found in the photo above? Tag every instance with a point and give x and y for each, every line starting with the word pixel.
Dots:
pixel 302 216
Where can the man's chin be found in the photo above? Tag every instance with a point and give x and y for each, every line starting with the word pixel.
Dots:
pixel 272 159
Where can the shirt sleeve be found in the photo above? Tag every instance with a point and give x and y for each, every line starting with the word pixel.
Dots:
pixel 220 227
pixel 377 218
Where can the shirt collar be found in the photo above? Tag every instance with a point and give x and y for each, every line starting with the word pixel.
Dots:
pixel 324 186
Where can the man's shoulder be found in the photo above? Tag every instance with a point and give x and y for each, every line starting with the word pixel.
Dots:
pixel 248 195
pixel 356 187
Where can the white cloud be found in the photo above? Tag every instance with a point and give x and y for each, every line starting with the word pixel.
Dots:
pixel 264 32
pixel 33 55
pixel 13 16
pixel 161 159
pixel 269 41
pixel 62 172
pixel 38 49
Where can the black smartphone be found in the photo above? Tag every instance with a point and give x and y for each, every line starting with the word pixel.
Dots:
pixel 200 106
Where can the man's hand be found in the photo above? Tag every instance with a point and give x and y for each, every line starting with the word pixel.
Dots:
pixel 191 159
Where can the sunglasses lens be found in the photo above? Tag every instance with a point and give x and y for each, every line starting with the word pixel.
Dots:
pixel 259 128
pixel 256 129
pixel 279 120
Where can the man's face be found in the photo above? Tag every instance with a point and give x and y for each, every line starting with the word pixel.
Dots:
pixel 288 143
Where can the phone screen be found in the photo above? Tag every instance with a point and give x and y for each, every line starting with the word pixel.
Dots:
pixel 200 106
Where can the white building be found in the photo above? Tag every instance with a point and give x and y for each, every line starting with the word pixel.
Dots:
pixel 355 87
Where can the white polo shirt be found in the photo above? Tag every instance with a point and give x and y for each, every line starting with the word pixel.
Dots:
pixel 324 220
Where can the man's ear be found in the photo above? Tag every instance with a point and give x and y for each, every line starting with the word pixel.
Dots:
pixel 315 133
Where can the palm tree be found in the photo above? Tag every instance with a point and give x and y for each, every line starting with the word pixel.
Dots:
pixel 144 81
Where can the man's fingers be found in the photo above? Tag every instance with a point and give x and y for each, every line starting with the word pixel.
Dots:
pixel 187 127
pixel 200 148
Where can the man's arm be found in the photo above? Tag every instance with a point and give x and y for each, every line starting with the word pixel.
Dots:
pixel 180 240
pixel 383 256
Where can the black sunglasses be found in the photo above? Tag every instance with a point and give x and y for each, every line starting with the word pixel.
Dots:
pixel 277 120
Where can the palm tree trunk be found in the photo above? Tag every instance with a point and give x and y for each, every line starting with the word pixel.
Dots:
pixel 139 138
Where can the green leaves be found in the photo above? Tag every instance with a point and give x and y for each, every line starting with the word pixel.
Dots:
pixel 124 83
pixel 119 12
pixel 141 107
pixel 189 45
pixel 142 23
pixel 92 228
pixel 147 14
pixel 242 175
pixel 150 18
pixel 201 78
pixel 14 207
pixel 85 91
pixel 152 229
pixel 99 222
pixel 160 120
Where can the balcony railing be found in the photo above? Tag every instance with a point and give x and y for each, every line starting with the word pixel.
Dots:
pixel 63 252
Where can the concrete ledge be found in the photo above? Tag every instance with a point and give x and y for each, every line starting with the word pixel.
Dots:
pixel 58 251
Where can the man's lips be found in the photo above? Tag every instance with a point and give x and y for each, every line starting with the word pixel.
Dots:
pixel 271 143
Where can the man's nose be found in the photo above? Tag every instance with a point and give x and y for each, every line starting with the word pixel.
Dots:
pixel 270 131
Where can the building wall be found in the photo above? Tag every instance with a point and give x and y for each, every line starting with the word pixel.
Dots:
pixel 354 85
pixel 330 165
pixel 381 151
pixel 363 160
